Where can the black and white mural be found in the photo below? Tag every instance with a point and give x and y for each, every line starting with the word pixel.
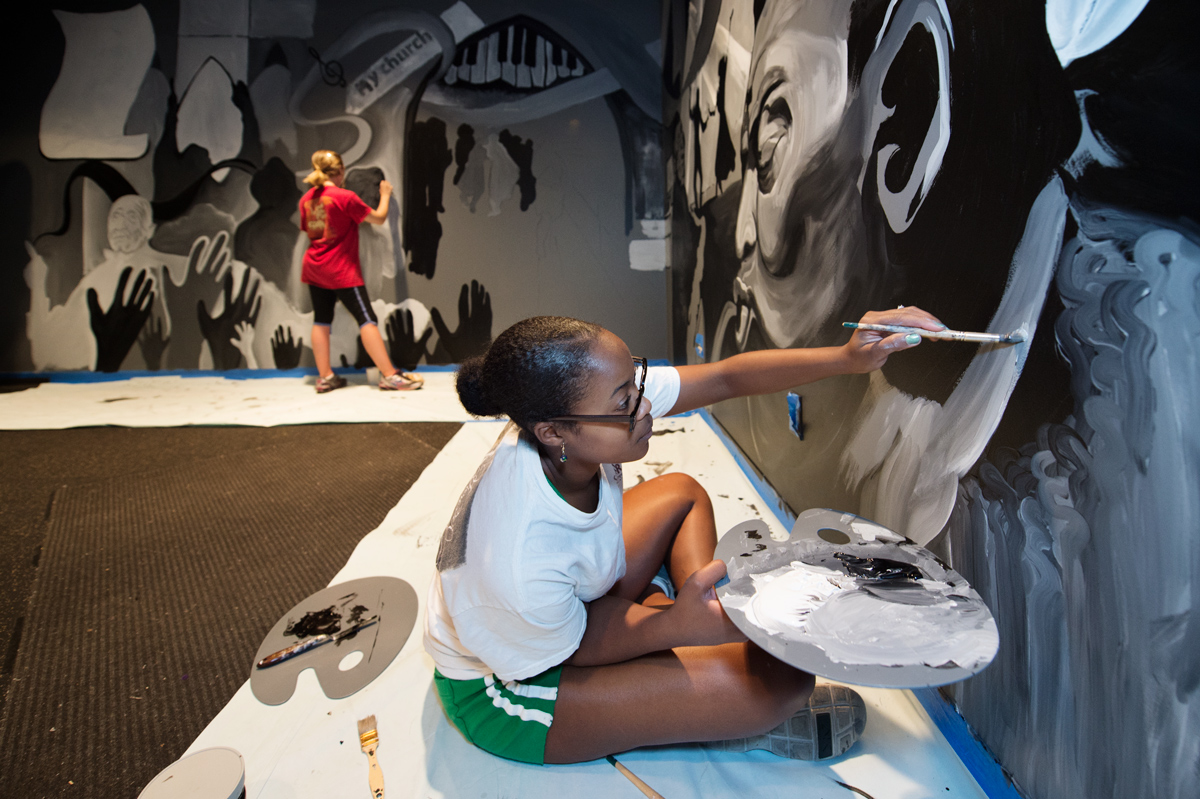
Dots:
pixel 156 150
pixel 1006 166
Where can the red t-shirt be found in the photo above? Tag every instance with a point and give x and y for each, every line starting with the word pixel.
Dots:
pixel 331 216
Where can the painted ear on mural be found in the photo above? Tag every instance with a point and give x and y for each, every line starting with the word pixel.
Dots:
pixel 909 125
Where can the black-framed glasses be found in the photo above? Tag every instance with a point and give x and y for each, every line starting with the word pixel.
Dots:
pixel 632 417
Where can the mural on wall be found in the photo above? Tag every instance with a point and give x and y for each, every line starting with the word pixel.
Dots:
pixel 1004 166
pixel 171 137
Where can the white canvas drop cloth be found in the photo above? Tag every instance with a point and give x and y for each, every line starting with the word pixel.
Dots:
pixel 308 746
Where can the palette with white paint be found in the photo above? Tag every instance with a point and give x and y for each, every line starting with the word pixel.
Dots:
pixel 848 599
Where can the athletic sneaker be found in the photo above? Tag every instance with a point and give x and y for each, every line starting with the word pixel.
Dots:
pixel 832 722
pixel 401 381
pixel 330 383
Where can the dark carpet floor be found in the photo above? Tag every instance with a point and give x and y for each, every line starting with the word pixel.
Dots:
pixel 143 568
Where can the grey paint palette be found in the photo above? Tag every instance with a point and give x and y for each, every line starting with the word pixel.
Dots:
pixel 347 665
pixel 847 599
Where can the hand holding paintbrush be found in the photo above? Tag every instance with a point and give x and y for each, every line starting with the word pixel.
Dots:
pixel 878 334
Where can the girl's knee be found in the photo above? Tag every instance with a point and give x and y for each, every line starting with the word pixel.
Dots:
pixel 685 485
pixel 782 691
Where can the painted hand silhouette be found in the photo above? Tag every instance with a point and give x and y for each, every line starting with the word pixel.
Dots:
pixel 219 331
pixel 210 258
pixel 209 261
pixel 153 342
pixel 286 351
pixel 117 328
pixel 474 332
pixel 404 348
pixel 243 339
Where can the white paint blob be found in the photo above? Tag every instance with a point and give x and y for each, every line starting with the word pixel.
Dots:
pixel 785 597
pixel 870 531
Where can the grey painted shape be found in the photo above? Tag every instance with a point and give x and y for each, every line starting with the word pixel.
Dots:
pixel 392 599
pixel 214 17
pixel 278 18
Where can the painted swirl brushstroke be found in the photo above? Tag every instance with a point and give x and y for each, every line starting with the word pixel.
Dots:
pixel 1082 542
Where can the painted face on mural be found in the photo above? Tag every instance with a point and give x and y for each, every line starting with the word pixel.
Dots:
pixel 129 223
pixel 796 227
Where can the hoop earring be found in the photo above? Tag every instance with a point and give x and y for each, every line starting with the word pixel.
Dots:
pixel 563 459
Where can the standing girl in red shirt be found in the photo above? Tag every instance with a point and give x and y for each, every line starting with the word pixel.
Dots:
pixel 330 215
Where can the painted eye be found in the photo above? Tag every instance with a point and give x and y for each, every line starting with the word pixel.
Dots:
pixel 774 123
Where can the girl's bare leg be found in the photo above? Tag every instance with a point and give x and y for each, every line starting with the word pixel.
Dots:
pixel 372 341
pixel 320 348
pixel 700 693
pixel 668 519
pixel 688 694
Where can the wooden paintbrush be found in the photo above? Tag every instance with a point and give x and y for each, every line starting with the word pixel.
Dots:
pixel 641 786
pixel 368 736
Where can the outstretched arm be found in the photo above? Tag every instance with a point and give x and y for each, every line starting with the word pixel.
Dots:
pixel 768 371
pixel 379 215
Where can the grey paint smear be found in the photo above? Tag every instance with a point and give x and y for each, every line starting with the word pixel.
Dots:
pixel 907 453
pixel 860 627
pixel 1083 542
pixel 452 551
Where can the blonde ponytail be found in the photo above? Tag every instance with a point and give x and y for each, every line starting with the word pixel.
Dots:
pixel 324 162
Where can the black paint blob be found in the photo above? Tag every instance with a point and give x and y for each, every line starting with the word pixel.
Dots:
pixel 878 568
pixel 316 622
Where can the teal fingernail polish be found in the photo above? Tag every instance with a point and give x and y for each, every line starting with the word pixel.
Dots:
pixel 912 338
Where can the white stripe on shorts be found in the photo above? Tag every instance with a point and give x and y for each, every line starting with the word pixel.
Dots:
pixel 513 709
pixel 532 691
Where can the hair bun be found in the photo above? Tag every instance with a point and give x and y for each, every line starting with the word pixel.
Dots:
pixel 472 389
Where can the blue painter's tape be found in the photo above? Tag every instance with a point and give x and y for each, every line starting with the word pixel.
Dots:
pixel 796 415
pixel 983 767
pixel 84 376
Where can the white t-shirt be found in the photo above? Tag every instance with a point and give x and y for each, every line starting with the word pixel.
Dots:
pixel 517 562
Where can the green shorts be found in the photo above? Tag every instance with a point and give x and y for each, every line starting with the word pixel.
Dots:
pixel 506 718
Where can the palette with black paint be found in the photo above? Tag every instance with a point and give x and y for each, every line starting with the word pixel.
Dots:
pixel 845 598
pixel 350 664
